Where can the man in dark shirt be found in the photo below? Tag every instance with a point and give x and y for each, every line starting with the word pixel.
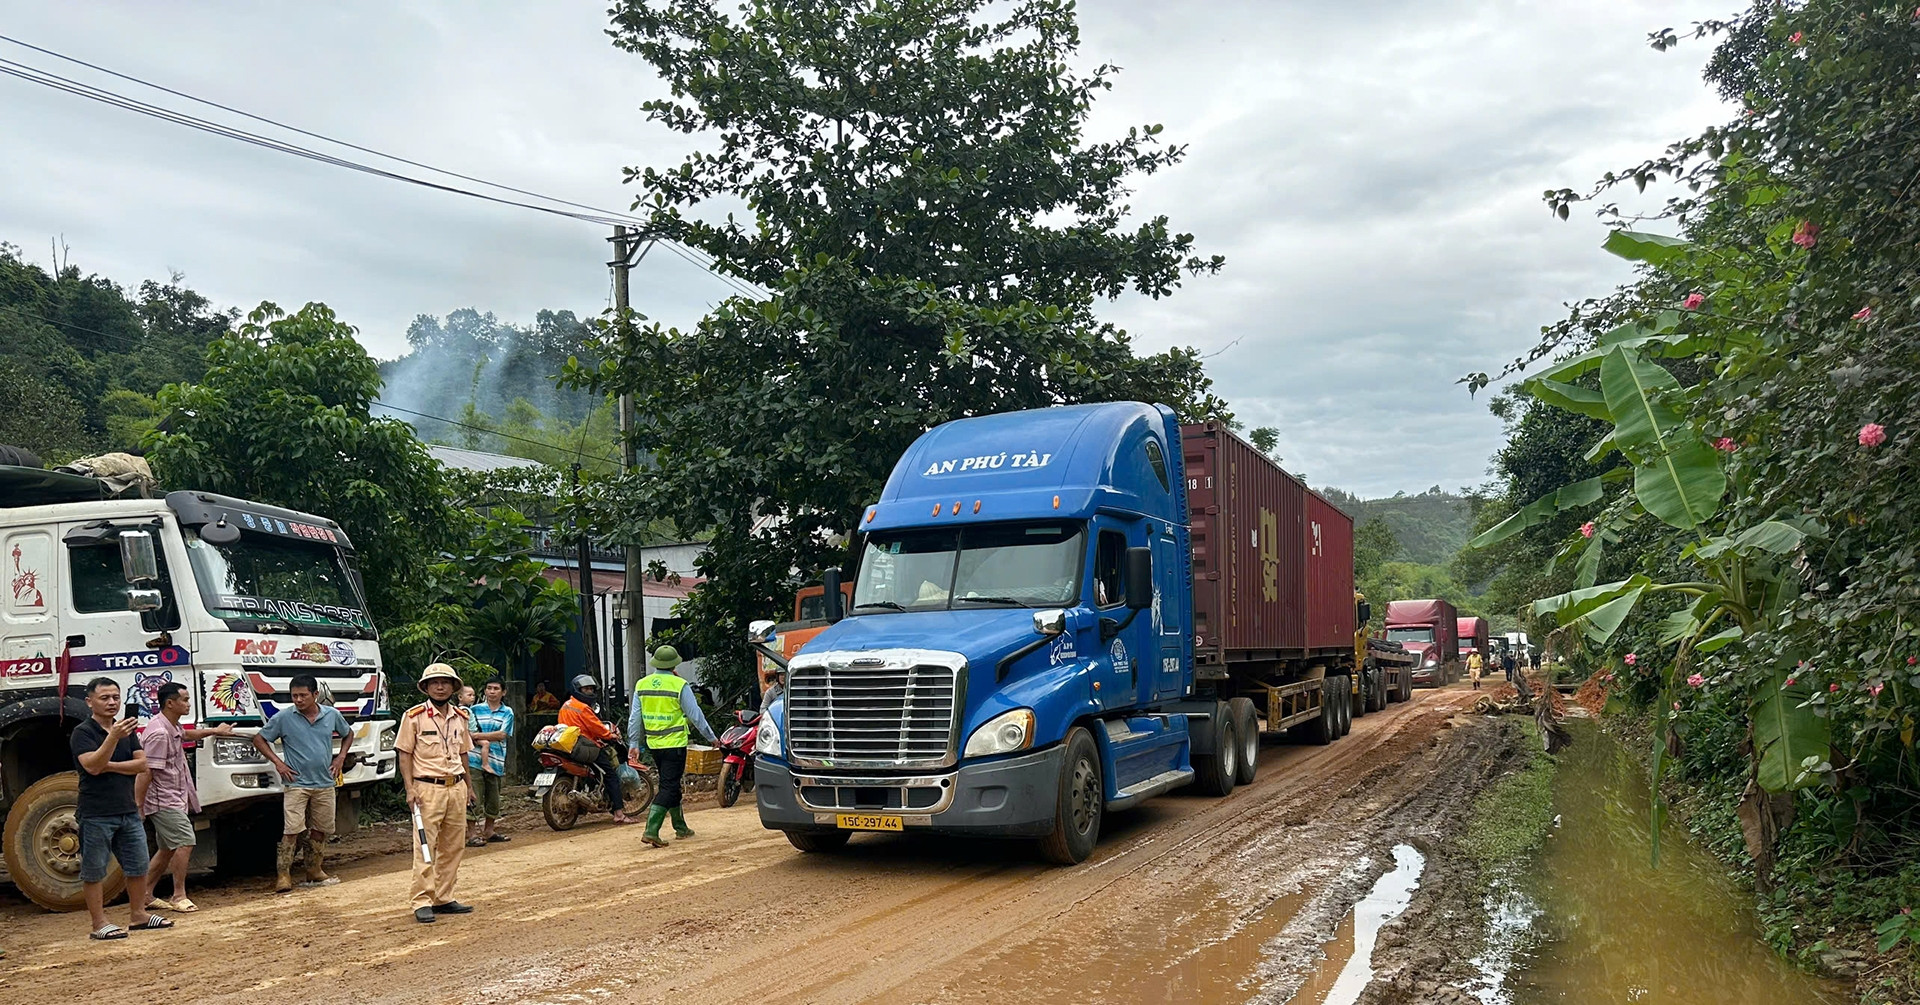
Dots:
pixel 107 758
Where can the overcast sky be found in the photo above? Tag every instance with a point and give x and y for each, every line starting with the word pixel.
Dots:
pixel 1371 169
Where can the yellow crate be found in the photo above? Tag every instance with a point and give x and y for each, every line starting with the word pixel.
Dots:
pixel 703 760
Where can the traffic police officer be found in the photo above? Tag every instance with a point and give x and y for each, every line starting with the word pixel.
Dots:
pixel 433 742
pixel 663 704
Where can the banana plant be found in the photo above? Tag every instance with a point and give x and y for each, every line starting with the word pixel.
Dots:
pixel 1671 472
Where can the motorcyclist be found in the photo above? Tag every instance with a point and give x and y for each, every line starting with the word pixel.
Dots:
pixel 582 710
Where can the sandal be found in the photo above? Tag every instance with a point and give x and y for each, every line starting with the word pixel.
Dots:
pixel 161 904
pixel 108 931
pixel 183 905
pixel 154 923
pixel 476 843
pixel 497 838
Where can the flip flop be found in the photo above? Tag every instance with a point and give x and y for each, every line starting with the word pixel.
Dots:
pixel 154 923
pixel 497 838
pixel 108 931
pixel 161 904
pixel 476 843
pixel 184 905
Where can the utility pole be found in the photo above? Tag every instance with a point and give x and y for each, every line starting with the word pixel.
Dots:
pixel 589 635
pixel 624 241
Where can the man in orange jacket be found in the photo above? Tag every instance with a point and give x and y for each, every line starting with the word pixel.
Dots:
pixel 582 712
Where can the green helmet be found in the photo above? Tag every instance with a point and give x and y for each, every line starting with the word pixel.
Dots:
pixel 664 658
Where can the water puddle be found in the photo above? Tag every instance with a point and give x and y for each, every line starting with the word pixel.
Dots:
pixel 1612 928
pixel 1349 964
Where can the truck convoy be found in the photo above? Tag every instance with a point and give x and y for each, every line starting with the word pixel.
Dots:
pixel 229 597
pixel 1429 629
pixel 1056 614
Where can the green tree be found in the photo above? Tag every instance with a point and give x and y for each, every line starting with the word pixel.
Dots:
pixel 935 232
pixel 282 417
pixel 1374 543
pixel 1266 439
pixel 39 415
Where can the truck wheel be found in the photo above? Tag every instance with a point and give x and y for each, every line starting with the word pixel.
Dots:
pixel 42 841
pixel 1215 772
pixel 1406 683
pixel 1246 730
pixel 818 841
pixel 1077 807
pixel 1377 690
pixel 1320 730
pixel 1342 705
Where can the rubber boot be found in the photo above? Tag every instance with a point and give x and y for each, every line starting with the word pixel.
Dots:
pixel 316 868
pixel 680 828
pixel 655 817
pixel 283 865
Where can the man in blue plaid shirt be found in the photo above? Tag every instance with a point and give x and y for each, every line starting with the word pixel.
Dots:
pixel 492 725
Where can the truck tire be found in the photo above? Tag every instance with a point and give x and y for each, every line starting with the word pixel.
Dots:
pixel 1376 689
pixel 42 841
pixel 1215 771
pixel 1321 729
pixel 1246 730
pixel 1343 704
pixel 818 841
pixel 1406 683
pixel 1079 803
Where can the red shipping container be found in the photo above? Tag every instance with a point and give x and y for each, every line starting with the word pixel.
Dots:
pixel 1272 561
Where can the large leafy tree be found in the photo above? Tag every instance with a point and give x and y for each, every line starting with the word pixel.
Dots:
pixel 282 416
pixel 935 231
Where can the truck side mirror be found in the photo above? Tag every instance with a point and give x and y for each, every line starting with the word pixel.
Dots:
pixel 1365 612
pixel 1139 578
pixel 836 603
pixel 137 560
pixel 760 631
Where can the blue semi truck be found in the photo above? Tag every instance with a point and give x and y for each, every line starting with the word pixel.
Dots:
pixel 1041 632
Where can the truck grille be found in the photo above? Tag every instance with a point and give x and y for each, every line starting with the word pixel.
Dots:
pixel 880 714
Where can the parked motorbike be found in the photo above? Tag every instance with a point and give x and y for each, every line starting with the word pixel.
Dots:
pixel 737 744
pixel 567 788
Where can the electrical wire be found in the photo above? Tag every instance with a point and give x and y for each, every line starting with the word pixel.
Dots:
pixel 189 357
pixel 591 214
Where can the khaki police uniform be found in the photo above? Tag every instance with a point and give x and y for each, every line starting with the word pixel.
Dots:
pixel 438 743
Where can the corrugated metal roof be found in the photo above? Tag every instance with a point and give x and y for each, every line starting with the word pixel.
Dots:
pixel 477 460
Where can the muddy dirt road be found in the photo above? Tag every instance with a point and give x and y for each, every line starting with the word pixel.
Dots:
pixel 1186 899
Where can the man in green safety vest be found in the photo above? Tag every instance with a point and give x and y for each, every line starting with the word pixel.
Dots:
pixel 663 705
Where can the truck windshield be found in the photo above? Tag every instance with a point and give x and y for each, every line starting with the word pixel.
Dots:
pixel 1019 565
pixel 277 584
pixel 1409 635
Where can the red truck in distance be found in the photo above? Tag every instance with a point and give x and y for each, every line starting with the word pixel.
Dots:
pixel 1474 636
pixel 1430 629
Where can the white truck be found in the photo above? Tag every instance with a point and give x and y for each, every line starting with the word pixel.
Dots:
pixel 231 598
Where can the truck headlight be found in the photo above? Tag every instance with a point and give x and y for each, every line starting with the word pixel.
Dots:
pixel 1430 662
pixel 767 739
pixel 236 750
pixel 1002 734
pixel 388 737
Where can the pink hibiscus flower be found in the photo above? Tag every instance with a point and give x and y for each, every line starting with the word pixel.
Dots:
pixel 1873 434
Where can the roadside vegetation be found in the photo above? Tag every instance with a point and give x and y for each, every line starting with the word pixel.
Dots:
pixel 1705 495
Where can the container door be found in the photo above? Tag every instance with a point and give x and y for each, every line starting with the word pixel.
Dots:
pixel 106 638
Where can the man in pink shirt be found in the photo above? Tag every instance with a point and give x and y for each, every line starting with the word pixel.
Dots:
pixel 166 793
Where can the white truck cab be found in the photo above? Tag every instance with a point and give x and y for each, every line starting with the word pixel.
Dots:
pixel 229 597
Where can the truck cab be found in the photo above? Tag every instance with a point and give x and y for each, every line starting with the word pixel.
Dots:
pixel 1430 630
pixel 1016 658
pixel 229 597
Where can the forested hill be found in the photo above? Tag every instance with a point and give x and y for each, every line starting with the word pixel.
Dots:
pixel 1431 527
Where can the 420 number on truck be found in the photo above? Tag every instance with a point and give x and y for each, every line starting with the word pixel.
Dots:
pixel 1059 613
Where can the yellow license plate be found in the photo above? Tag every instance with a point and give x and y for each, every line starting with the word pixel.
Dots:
pixel 867 822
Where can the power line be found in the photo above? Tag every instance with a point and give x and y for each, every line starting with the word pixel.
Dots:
pixel 591 215
pixel 189 357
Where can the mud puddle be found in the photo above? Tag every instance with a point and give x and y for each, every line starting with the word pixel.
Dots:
pixel 1349 963
pixel 1607 926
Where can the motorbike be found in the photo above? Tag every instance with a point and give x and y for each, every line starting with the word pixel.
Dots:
pixel 737 743
pixel 568 788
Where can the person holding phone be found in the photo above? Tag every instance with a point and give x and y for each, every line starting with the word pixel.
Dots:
pixel 108 760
